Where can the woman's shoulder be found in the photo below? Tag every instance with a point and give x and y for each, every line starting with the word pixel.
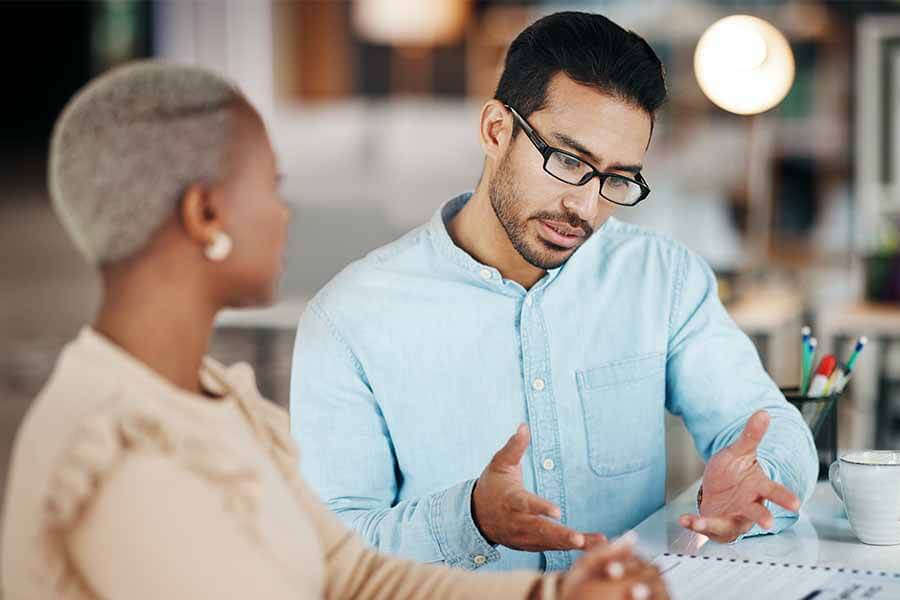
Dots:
pixel 89 417
pixel 133 420
pixel 78 390
pixel 91 387
pixel 94 415
pixel 163 450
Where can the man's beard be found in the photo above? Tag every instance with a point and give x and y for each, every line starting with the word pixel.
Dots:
pixel 504 193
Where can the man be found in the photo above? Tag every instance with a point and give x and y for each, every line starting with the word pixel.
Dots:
pixel 527 302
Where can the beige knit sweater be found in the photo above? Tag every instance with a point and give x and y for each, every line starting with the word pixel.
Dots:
pixel 123 486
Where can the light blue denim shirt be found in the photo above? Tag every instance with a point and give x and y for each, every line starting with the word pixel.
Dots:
pixel 415 365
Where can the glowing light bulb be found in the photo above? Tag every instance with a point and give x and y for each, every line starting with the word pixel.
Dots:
pixel 744 65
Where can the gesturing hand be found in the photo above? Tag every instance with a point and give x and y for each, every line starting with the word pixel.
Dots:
pixel 735 487
pixel 507 514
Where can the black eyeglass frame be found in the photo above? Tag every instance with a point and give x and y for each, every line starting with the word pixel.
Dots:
pixel 546 150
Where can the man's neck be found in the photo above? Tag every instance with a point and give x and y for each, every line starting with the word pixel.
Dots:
pixel 477 230
pixel 164 327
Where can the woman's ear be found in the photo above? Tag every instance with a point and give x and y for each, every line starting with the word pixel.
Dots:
pixel 496 129
pixel 200 214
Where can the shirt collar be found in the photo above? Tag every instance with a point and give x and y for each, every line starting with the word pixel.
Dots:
pixel 437 228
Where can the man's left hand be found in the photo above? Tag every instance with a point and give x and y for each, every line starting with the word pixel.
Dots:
pixel 735 487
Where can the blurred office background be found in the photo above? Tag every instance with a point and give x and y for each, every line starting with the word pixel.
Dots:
pixel 373 107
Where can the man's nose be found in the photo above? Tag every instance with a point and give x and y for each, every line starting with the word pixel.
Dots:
pixel 584 200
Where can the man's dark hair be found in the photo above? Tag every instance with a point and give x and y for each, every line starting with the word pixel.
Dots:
pixel 591 50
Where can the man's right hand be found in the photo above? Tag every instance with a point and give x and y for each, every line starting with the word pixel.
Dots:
pixel 507 514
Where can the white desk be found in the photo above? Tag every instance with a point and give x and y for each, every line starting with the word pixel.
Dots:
pixel 821 536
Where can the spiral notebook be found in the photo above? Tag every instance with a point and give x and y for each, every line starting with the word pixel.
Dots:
pixel 690 577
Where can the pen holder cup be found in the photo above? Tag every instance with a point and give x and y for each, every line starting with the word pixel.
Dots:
pixel 821 416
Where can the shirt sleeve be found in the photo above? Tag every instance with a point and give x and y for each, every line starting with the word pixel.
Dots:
pixel 715 382
pixel 348 457
pixel 153 517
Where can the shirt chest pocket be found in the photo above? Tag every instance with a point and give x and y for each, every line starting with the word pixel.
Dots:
pixel 623 405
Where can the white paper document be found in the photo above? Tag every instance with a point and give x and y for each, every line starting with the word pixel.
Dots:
pixel 703 577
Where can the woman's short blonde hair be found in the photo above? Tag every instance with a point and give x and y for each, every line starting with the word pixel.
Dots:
pixel 126 147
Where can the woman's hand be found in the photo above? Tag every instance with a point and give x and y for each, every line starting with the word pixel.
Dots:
pixel 612 572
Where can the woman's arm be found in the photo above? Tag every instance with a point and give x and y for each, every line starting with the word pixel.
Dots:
pixel 155 530
pixel 355 571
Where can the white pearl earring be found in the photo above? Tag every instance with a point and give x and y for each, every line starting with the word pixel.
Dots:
pixel 219 248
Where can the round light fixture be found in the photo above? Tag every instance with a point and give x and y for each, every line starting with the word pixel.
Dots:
pixel 410 22
pixel 744 65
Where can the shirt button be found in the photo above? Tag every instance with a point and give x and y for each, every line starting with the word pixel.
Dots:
pixel 528 301
pixel 479 559
pixel 486 274
pixel 549 464
pixel 538 384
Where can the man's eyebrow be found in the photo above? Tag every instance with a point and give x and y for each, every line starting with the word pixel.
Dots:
pixel 581 149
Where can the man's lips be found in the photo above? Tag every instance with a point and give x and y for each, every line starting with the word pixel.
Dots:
pixel 561 234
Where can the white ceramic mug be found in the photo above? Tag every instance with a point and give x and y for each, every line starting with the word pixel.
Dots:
pixel 868 482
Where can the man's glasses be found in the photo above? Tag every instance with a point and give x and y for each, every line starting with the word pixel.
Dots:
pixel 570 169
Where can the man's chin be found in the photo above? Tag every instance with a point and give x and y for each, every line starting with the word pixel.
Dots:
pixel 545 255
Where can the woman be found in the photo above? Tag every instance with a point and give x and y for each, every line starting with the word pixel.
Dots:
pixel 144 469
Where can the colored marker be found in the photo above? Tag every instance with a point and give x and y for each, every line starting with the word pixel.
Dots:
pixel 833 381
pixel 820 381
pixel 809 364
pixel 860 344
pixel 843 382
pixel 805 332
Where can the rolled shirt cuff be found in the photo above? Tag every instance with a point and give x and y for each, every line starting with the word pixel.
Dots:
pixel 453 528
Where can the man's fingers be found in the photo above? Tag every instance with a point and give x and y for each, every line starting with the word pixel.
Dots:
pixel 532 504
pixel 726 529
pixel 511 453
pixel 781 496
pixel 753 433
pixel 718 528
pixel 549 535
pixel 759 514
pixel 688 521
pixel 594 540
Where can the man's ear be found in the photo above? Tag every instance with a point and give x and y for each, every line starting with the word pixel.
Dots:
pixel 201 213
pixel 496 129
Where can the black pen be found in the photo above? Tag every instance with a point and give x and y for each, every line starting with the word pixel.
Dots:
pixel 811 595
